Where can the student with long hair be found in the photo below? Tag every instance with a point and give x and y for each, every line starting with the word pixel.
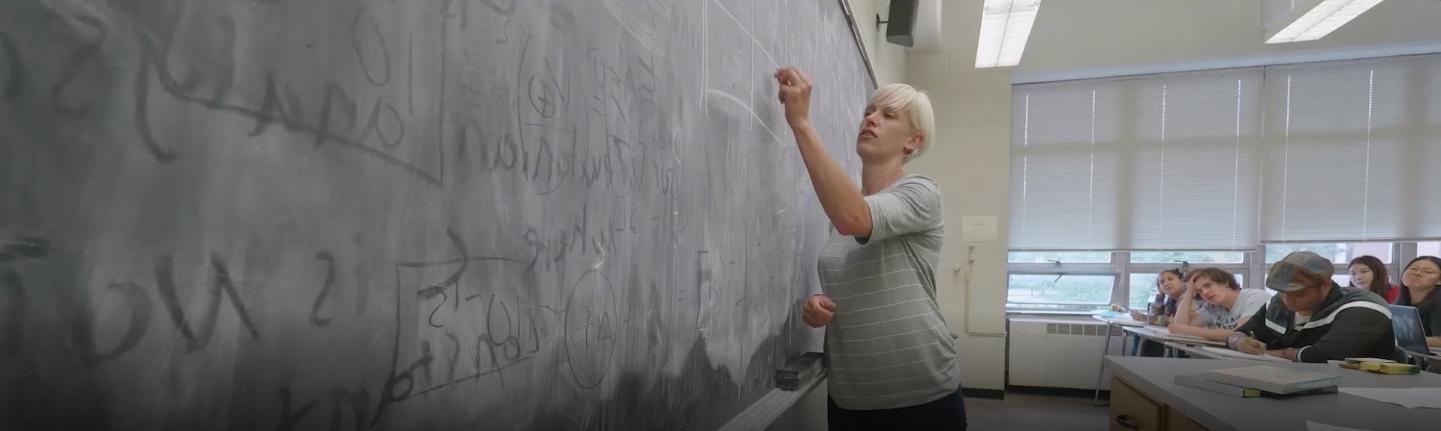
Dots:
pixel 1369 273
pixel 1170 285
pixel 1420 280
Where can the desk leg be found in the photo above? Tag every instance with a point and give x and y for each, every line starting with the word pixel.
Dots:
pixel 1101 372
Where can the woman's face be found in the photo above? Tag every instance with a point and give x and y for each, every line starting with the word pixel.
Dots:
pixel 885 133
pixel 1171 285
pixel 1361 276
pixel 1421 273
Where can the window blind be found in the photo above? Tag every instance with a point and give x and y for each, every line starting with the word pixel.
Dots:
pixel 1148 163
pixel 1353 151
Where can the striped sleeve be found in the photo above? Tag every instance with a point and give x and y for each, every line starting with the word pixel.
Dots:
pixel 913 205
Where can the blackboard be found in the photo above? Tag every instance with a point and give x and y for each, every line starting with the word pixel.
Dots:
pixel 395 214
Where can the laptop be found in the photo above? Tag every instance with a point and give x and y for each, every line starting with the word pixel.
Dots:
pixel 1406 322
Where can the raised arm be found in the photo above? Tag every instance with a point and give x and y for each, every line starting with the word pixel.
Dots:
pixel 841 199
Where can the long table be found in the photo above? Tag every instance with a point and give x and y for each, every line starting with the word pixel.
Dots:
pixel 1172 344
pixel 1144 396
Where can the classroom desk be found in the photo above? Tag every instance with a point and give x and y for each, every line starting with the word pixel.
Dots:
pixel 1165 339
pixel 1144 390
pixel 1201 352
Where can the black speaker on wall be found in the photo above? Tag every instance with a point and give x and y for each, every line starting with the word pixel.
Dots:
pixel 901 25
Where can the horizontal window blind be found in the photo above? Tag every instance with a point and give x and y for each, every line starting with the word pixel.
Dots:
pixel 1157 162
pixel 1353 151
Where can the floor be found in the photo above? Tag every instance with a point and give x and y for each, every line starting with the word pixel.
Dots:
pixel 1022 409
pixel 1035 411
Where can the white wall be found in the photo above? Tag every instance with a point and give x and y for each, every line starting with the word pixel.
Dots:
pixel 970 159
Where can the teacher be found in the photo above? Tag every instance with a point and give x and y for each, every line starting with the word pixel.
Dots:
pixel 890 358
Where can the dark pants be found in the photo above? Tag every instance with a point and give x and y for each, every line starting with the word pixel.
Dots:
pixel 948 413
pixel 1148 348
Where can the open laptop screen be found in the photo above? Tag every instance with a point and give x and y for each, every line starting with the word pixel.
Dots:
pixel 1406 322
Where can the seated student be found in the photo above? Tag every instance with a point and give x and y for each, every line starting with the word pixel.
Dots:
pixel 1170 285
pixel 1421 278
pixel 1225 305
pixel 1369 273
pixel 1314 320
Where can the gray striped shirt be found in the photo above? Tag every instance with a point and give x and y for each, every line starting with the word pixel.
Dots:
pixel 888 345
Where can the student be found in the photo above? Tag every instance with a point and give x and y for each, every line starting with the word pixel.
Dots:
pixel 1169 287
pixel 1367 272
pixel 1168 290
pixel 1225 305
pixel 890 358
pixel 1420 279
pixel 1312 319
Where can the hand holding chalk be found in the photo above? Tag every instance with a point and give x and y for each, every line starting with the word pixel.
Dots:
pixel 795 94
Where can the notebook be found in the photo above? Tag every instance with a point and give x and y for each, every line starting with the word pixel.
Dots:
pixel 1273 379
pixel 1199 381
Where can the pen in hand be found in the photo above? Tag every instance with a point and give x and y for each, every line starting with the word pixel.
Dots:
pixel 1251 344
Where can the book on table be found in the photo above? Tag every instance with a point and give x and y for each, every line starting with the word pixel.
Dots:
pixel 1199 381
pixel 1273 379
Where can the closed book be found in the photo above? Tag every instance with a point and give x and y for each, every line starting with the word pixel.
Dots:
pixel 1391 368
pixel 1322 390
pixel 1199 382
pixel 1273 378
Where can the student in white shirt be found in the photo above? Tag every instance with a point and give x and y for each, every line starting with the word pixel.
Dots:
pixel 1224 305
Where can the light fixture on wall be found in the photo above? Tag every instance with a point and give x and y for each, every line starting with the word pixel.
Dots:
pixel 1323 18
pixel 1005 26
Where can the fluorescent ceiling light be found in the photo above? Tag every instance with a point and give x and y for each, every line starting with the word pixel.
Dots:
pixel 1321 20
pixel 1005 26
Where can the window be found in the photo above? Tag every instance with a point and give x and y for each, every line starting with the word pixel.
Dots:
pixel 1348 150
pixel 1060 281
pixel 1143 290
pixel 1153 162
pixel 1191 257
pixel 1114 180
pixel 1059 292
pixel 1088 281
pixel 1339 253
pixel 1429 248
pixel 1063 257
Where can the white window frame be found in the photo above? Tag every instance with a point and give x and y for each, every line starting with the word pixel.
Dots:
pixel 1253 266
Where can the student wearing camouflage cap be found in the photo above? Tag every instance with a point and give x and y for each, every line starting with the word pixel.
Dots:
pixel 1312 319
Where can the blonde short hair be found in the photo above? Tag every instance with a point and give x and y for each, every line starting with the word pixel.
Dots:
pixel 916 104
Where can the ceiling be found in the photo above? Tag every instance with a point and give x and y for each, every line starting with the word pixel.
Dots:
pixel 1074 39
